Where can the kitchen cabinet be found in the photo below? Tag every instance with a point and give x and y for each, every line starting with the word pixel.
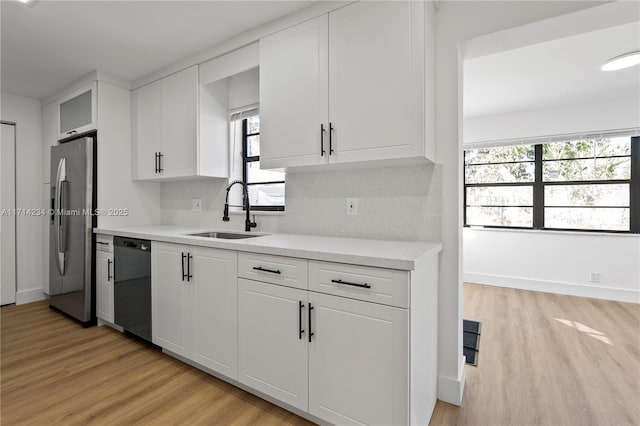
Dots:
pixel 166 130
pixel 104 278
pixel 169 297
pixel 358 361
pixel 273 341
pixel 346 87
pixel 340 359
pixel 77 112
pixel 194 304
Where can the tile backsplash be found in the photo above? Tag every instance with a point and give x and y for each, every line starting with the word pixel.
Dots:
pixel 394 203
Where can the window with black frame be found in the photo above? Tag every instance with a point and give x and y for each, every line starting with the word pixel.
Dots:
pixel 588 185
pixel 266 187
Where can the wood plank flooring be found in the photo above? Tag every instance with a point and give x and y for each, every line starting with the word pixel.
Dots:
pixel 54 372
pixel 548 359
pixel 544 360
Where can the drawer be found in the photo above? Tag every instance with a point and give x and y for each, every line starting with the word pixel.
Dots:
pixel 386 286
pixel 281 270
pixel 104 243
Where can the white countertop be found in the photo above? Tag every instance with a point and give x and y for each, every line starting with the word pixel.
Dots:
pixel 384 254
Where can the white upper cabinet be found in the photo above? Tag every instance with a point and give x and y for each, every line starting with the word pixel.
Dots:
pixel 166 122
pixel 77 112
pixel 146 111
pixel 376 88
pixel 294 96
pixel 346 87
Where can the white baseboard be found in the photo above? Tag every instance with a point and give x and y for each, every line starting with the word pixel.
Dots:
pixel 570 289
pixel 450 389
pixel 30 295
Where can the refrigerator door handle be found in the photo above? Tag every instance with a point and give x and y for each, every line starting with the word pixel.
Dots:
pixel 61 177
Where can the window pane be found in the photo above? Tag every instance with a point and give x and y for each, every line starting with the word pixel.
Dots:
pixel 614 219
pixel 499 154
pixel 592 169
pixel 587 148
pixel 266 195
pixel 253 146
pixel 253 124
pixel 255 174
pixel 568 150
pixel 500 216
pixel 613 146
pixel 499 173
pixel 500 196
pixel 587 195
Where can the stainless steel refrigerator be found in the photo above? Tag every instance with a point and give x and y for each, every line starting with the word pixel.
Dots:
pixel 71 239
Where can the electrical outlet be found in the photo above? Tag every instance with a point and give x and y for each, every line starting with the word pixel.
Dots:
pixel 196 204
pixel 594 277
pixel 352 206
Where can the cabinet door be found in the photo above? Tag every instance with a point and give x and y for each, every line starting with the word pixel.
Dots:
pixel 376 80
pixel 358 362
pixel 104 285
pixel 215 310
pixel 77 112
pixel 293 95
pixel 146 111
pixel 179 123
pixel 169 298
pixel 272 351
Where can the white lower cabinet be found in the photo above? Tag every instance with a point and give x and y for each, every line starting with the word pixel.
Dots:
pixel 347 344
pixel 358 362
pixel 353 369
pixel 272 344
pixel 194 304
pixel 104 278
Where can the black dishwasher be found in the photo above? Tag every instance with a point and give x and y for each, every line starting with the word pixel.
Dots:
pixel 132 285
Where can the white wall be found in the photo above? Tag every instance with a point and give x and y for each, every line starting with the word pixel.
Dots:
pixel 395 203
pixel 115 188
pixel 457 21
pixel 26 114
pixel 585 118
pixel 555 262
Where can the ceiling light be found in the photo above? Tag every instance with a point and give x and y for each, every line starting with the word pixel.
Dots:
pixel 623 61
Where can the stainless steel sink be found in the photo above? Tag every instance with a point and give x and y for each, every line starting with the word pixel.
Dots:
pixel 225 235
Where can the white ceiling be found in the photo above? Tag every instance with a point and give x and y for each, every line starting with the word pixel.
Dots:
pixel 561 72
pixel 48 46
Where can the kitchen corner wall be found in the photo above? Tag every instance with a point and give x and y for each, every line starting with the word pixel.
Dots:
pixel 394 203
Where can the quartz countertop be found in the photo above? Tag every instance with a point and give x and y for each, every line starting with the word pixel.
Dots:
pixel 400 255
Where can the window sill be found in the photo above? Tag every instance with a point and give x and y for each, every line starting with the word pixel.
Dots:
pixel 552 231
pixel 241 212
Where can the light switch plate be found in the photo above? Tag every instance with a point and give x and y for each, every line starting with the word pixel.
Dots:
pixel 352 206
pixel 196 204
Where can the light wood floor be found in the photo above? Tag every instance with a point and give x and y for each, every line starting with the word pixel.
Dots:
pixel 55 372
pixel 548 359
pixel 544 360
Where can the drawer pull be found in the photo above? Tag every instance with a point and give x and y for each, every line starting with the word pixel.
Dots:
pixel 365 285
pixel 260 268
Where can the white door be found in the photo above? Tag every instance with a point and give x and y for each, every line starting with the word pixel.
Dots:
pixel 272 349
pixel 214 310
pixel 358 362
pixel 104 285
pixel 8 218
pixel 170 297
pixel 146 123
pixel 293 96
pixel 179 123
pixel 376 80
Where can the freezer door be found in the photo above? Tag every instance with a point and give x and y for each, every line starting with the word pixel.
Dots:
pixel 70 250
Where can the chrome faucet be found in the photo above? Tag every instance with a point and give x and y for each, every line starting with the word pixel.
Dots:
pixel 245 204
